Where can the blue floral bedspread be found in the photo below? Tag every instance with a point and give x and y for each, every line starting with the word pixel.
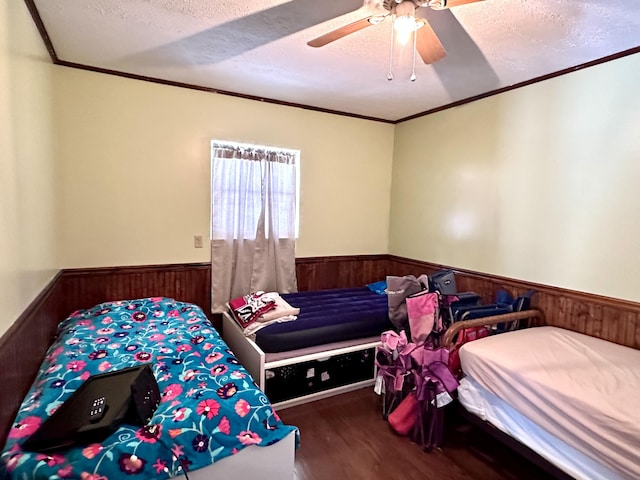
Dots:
pixel 210 405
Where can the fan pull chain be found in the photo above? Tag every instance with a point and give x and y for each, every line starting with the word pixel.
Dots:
pixel 415 41
pixel 390 74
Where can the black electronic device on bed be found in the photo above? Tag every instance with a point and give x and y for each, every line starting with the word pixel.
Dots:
pixel 98 407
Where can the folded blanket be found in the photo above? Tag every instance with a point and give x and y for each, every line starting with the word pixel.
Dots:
pixel 248 308
pixel 282 308
pixel 268 308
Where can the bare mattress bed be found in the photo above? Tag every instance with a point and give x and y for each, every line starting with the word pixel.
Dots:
pixel 211 420
pixel 571 398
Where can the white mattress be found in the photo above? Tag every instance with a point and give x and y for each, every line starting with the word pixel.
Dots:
pixel 582 390
pixel 479 401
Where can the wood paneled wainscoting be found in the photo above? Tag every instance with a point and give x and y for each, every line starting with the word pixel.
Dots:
pixel 190 282
pixel 608 318
pixel 23 346
pixel 22 350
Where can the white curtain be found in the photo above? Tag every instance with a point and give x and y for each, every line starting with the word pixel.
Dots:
pixel 253 222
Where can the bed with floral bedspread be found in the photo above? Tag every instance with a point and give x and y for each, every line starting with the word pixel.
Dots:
pixel 210 406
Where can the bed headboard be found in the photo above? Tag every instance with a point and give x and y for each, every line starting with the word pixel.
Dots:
pixel 530 316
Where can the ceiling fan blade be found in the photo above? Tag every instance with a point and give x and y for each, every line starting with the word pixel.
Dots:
pixel 457 3
pixel 338 33
pixel 428 45
pixel 463 55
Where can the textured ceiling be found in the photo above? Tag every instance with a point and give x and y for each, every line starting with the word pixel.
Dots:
pixel 259 48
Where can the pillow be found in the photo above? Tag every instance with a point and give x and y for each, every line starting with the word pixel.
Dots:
pixel 378 287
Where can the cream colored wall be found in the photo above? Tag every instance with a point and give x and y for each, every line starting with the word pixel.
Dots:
pixel 27 197
pixel 135 170
pixel 540 183
pixel 537 183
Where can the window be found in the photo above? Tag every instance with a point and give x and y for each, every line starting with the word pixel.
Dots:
pixel 254 192
pixel 254 220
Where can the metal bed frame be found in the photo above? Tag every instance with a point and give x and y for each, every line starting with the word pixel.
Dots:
pixel 505 439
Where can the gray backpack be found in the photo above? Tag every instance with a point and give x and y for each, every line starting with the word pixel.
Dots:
pixel 398 289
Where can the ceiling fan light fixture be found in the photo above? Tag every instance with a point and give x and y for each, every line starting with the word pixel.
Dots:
pixel 405 24
pixel 376 20
pixel 436 4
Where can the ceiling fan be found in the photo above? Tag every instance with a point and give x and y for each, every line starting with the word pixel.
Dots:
pixel 403 13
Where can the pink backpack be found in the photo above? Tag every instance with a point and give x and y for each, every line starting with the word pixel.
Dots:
pixel 423 313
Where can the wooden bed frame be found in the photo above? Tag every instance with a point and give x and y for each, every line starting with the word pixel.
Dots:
pixel 452 331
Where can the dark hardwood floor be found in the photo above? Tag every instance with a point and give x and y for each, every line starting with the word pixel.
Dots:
pixel 345 438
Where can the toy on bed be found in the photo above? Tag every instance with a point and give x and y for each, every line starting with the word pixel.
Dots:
pixel 210 407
